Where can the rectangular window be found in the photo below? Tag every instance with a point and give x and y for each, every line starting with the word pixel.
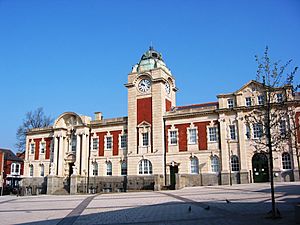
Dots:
pixel 257 130
pixel 279 97
pixel 248 133
pixel 42 147
pixel 230 103
pixel 123 141
pixel 108 143
pixel 32 148
pixel 173 137
pixel 248 101
pixel 212 133
pixel 145 139
pixel 95 144
pixel 260 100
pixel 192 136
pixel 282 128
pixel 232 132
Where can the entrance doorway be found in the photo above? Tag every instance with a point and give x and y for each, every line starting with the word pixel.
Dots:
pixel 260 168
pixel 173 172
pixel 68 186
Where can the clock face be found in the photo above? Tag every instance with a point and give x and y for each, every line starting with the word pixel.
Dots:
pixel 167 86
pixel 144 85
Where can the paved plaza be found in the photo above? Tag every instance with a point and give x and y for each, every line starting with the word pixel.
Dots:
pixel 239 204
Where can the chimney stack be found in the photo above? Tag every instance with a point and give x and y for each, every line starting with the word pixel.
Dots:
pixel 98 116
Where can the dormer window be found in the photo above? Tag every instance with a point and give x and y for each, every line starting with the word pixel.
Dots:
pixel 230 103
pixel 279 97
pixel 260 100
pixel 248 101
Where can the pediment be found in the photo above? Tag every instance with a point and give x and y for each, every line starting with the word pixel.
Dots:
pixel 67 120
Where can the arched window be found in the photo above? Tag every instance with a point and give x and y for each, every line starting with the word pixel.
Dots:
pixel 215 164
pixel 95 169
pixel 286 161
pixel 124 168
pixel 145 167
pixel 235 165
pixel 73 142
pixel 42 170
pixel 31 170
pixel 194 165
pixel 108 168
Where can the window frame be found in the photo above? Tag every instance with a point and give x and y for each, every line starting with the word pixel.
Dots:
pixel 95 169
pixel 42 147
pixel 173 139
pixel 286 161
pixel 282 129
pixel 279 99
pixel 32 148
pixel 145 167
pixel 109 168
pixel 194 165
pixel 232 132
pixel 123 168
pixel 108 142
pixel 230 103
pixel 42 170
pixel 95 143
pixel 213 136
pixel 13 169
pixel 248 101
pixel 31 170
pixel 194 136
pixel 234 163
pixel 215 163
pixel 257 130
pixel 122 141
pixel 145 139
pixel 260 100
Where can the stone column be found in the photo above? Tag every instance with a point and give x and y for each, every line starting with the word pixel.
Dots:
pixel 77 162
pixel 84 153
pixel 61 156
pixel 224 151
pixel 55 155
pixel 242 150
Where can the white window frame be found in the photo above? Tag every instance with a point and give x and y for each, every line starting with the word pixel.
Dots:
pixel 248 101
pixel 122 141
pixel 123 168
pixel 232 132
pixel 248 131
pixel 13 169
pixel 260 100
pixel 145 139
pixel 95 170
pixel 42 170
pixel 286 161
pixel 108 144
pixel 42 147
pixel 173 137
pixel 282 127
pixel 215 164
pixel 145 167
pixel 32 148
pixel 108 168
pixel 31 170
pixel 192 137
pixel 213 134
pixel 95 144
pixel 279 97
pixel 234 164
pixel 257 130
pixel 230 103
pixel 194 161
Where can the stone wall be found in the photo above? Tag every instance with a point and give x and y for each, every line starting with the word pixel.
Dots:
pixel 34 185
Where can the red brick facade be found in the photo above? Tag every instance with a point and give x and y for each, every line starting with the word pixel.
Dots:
pixel 37 147
pixel 182 134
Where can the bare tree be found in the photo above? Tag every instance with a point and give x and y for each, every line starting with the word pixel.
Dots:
pixel 33 119
pixel 271 118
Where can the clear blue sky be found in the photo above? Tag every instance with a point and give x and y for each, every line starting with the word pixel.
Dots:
pixel 75 55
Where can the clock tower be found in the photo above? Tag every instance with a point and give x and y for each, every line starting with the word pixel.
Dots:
pixel 151 93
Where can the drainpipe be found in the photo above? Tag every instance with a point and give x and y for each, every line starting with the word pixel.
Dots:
pixel 89 157
pixel 165 153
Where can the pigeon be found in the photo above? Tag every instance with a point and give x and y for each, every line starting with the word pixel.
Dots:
pixel 227 201
pixel 190 208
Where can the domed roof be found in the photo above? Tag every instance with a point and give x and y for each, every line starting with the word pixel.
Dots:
pixel 151 59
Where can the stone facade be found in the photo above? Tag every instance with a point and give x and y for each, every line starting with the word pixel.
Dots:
pixel 158 145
